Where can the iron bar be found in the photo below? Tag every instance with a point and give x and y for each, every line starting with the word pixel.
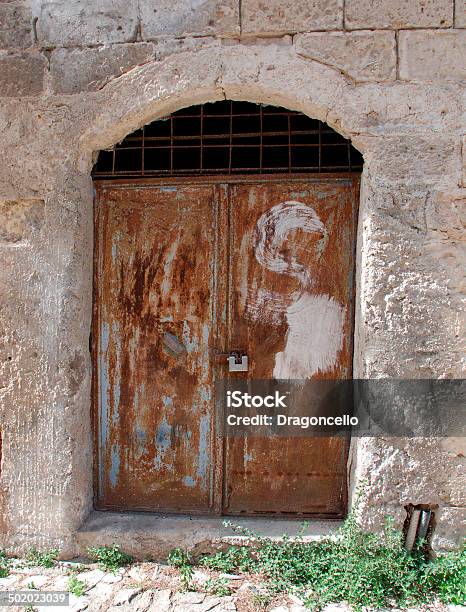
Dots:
pixel 263 140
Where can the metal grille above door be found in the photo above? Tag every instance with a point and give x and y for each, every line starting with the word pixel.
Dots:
pixel 229 138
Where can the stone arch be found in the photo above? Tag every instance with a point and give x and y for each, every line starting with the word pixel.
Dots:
pixel 242 73
pixel 239 73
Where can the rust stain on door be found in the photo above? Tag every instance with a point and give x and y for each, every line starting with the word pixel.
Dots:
pixel 187 270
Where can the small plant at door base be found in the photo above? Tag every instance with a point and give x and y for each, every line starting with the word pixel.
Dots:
pixel 186 575
pixel 76 587
pixel 218 586
pixel 110 558
pixel 235 558
pixel 181 559
pixel 178 557
pixel 363 569
pixel 44 558
pixel 4 565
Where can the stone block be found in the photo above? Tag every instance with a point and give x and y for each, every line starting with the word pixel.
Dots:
pixel 460 14
pixel 166 17
pixel 79 22
pixel 361 14
pixel 262 16
pixel 126 595
pixel 449 533
pixel 364 55
pixel 432 55
pixel 18 218
pixel 75 70
pixel 169 45
pixel 21 74
pixel 416 159
pixel 15 26
pixel 161 601
pixel 91 577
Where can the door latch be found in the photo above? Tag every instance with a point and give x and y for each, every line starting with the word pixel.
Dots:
pixel 237 360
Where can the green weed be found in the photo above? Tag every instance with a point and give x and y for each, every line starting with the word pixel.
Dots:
pixel 235 558
pixel 44 558
pixel 76 586
pixel 181 559
pixel 110 558
pixel 218 586
pixel 4 565
pixel 261 600
pixel 363 569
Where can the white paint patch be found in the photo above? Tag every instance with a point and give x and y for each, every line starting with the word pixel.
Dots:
pixel 272 230
pixel 266 306
pixel 315 322
pixel 165 286
pixel 314 337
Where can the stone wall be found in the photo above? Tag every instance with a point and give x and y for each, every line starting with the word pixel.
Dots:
pixel 77 76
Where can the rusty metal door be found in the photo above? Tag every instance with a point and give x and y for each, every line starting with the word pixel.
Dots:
pixel 155 315
pixel 291 310
pixel 187 268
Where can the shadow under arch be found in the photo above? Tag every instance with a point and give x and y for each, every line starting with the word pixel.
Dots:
pixel 229 137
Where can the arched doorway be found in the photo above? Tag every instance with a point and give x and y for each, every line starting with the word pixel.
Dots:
pixel 226 226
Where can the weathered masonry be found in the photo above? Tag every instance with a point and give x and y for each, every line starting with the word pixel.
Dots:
pixel 84 82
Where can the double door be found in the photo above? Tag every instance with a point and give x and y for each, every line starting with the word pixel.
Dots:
pixel 186 273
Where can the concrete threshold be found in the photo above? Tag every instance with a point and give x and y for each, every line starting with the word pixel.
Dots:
pixel 152 536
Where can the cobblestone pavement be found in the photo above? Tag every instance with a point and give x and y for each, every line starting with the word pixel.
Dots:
pixel 151 587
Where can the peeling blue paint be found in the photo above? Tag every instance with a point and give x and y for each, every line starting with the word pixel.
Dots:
pixel 103 380
pixel 115 465
pixel 116 383
pixel 297 195
pixel 166 319
pixel 189 481
pixel 190 344
pixel 205 393
pixel 204 447
pixel 104 337
pixel 163 435
pixel 162 441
